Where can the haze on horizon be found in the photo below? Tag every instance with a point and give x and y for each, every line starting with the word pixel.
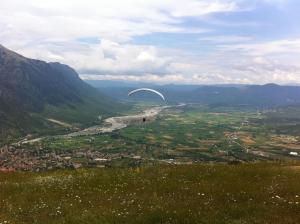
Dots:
pixel 190 41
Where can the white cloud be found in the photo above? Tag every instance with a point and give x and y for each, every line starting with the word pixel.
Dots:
pixel 171 78
pixel 109 19
pixel 225 39
pixel 51 30
pixel 199 8
pixel 268 47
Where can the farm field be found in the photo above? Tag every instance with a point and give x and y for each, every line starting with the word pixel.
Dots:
pixel 190 134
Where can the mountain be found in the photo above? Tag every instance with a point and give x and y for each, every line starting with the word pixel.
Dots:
pixel 269 95
pixel 33 91
pixel 120 89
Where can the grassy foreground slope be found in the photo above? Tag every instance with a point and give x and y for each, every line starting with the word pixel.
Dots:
pixel 246 193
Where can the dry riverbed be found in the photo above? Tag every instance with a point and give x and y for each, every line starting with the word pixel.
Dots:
pixel 110 124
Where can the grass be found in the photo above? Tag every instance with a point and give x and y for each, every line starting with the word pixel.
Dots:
pixel 245 193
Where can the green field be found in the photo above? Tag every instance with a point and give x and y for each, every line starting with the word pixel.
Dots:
pixel 246 193
pixel 193 134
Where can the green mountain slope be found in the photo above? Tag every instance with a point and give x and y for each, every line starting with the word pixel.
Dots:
pixel 33 91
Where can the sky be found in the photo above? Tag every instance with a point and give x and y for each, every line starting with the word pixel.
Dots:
pixel 160 41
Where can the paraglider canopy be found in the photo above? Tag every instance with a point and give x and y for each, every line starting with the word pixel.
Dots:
pixel 147 90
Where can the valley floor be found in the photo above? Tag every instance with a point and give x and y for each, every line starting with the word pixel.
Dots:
pixel 187 134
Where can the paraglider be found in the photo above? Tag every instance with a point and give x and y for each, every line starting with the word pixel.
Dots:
pixel 147 90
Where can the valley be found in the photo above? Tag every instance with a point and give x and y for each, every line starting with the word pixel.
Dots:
pixel 184 134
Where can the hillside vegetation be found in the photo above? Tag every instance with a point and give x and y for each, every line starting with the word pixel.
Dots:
pixel 246 193
pixel 32 91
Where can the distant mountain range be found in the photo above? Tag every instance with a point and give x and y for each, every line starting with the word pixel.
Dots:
pixel 33 91
pixel 262 96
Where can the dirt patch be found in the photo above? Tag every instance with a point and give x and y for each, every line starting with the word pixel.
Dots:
pixel 218 114
pixel 168 137
pixel 6 170
pixel 189 135
pixel 295 147
pixel 64 124
pixel 247 140
pixel 285 139
pixel 151 139
pixel 191 149
pixel 296 168
pixel 208 142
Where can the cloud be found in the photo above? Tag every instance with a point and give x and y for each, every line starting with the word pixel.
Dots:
pixel 107 57
pixel 108 19
pixel 230 63
pixel 171 78
pixel 225 39
pixel 268 47
pixel 97 39
pixel 268 61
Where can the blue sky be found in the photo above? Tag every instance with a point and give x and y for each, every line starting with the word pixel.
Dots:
pixel 170 41
pixel 261 22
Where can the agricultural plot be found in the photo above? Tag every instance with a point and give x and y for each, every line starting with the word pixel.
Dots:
pixel 187 135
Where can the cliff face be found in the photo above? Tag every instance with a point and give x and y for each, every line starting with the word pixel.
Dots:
pixel 27 84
